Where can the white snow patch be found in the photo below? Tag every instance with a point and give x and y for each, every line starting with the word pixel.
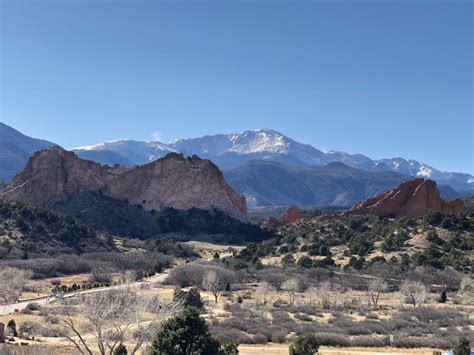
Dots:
pixel 100 145
pixel 424 171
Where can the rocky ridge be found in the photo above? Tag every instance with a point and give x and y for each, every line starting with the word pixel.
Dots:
pixel 410 199
pixel 173 181
pixel 292 215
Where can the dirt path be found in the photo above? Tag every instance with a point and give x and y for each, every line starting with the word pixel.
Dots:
pixel 18 306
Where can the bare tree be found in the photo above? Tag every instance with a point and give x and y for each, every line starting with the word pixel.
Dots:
pixel 324 295
pixel 262 291
pixel 291 286
pixel 376 287
pixel 214 282
pixel 467 284
pixel 12 281
pixel 147 328
pixel 413 292
pixel 328 294
pixel 312 293
pixel 111 317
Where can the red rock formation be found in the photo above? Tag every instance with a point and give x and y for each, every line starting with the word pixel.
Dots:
pixel 173 181
pixel 293 214
pixel 411 199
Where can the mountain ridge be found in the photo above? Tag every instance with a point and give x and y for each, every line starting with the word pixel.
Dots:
pixel 174 181
pixel 230 151
pixel 15 149
pixel 269 183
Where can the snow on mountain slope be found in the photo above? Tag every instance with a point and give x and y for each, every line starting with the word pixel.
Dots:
pixel 234 150
pixel 124 152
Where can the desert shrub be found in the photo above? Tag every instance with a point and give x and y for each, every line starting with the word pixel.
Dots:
pixel 192 274
pixel 372 316
pixel 257 339
pixel 307 309
pixel 467 284
pixel 332 339
pixel 120 349
pixel 274 277
pixel 403 341
pixel 223 333
pixel 442 317
pixel 359 329
pixel 304 317
pixel 306 344
pixel 59 265
pixel 230 347
pixel 462 347
pixel 305 262
pixel 279 336
pixel 29 329
pixel 191 298
pixel 101 276
pixel 370 341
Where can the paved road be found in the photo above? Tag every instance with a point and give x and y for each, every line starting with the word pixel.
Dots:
pixel 10 308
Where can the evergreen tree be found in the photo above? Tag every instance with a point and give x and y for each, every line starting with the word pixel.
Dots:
pixel 185 334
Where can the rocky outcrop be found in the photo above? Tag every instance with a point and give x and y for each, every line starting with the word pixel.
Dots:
pixel 292 215
pixel 173 181
pixel 410 199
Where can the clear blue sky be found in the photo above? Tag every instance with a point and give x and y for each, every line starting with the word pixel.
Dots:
pixel 384 78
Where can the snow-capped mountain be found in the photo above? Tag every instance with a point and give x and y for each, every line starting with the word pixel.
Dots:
pixel 234 150
pixel 228 151
pixel 124 152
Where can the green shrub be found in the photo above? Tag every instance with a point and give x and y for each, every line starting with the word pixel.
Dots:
pixel 462 347
pixel 187 333
pixel 305 344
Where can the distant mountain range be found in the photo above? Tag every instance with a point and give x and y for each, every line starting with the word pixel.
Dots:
pixel 267 183
pixel 230 151
pixel 15 149
pixel 266 166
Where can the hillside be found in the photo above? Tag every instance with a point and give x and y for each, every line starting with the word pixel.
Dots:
pixel 121 218
pixel 15 149
pixel 436 240
pixel 29 231
pixel 266 183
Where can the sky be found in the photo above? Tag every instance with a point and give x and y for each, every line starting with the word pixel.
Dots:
pixel 386 78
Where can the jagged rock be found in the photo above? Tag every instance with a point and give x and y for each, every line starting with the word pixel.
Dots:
pixel 293 214
pixel 174 181
pixel 410 199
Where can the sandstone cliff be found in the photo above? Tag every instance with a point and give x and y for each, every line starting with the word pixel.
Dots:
pixel 293 214
pixel 410 199
pixel 173 181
